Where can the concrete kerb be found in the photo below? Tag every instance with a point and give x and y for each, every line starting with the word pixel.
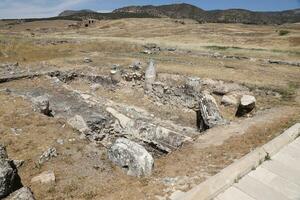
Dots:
pixel 231 174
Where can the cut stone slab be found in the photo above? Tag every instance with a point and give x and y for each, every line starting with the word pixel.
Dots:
pixel 208 114
pixel 45 177
pixel 22 194
pixel 150 76
pixel 247 104
pixel 132 157
pixel 282 185
pixel 285 157
pixel 258 190
pixel 233 194
pixel 284 170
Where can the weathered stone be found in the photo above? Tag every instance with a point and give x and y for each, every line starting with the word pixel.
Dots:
pixel 229 100
pixel 47 155
pixel 45 177
pixel 150 76
pixel 208 114
pixel 132 157
pixel 42 104
pixel 3 153
pixel 9 178
pixel 115 75
pixel 78 123
pixel 22 194
pixel 18 163
pixel 136 65
pixel 247 104
pixel 87 60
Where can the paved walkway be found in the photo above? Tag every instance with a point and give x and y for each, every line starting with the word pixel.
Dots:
pixel 276 179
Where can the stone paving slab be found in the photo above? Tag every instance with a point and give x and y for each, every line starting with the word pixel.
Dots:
pixel 234 193
pixel 277 178
pixel 258 190
pixel 287 158
pixel 284 170
pixel 276 182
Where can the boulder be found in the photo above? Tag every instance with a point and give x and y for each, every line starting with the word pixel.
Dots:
pixel 229 100
pixel 42 105
pixel 208 114
pixel 132 157
pixel 150 76
pixel 9 178
pixel 247 104
pixel 22 194
pixel 45 177
pixel 47 155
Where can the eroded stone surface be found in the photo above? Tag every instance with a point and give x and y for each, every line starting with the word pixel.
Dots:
pixel 132 157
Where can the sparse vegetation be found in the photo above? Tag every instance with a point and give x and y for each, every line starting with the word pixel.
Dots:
pixel 283 32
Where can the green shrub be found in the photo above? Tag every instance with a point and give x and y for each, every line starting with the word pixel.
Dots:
pixel 283 32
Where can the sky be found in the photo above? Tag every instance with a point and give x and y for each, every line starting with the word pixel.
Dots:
pixel 49 8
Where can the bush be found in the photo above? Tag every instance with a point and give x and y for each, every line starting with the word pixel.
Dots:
pixel 283 32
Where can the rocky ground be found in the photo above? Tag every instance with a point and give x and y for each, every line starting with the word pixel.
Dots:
pixel 137 109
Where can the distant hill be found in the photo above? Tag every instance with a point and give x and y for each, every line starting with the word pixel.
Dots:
pixel 67 13
pixel 215 16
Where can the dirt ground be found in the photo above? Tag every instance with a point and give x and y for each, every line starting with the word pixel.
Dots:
pixel 81 168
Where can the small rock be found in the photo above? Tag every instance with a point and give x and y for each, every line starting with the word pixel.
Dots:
pixel 60 141
pixel 22 194
pixel 87 60
pixel 42 104
pixel 132 157
pixel 247 104
pixel 47 155
pixel 45 177
pixel 3 153
pixel 115 75
pixel 137 65
pixel 229 100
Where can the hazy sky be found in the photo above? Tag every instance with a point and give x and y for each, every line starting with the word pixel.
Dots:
pixel 46 8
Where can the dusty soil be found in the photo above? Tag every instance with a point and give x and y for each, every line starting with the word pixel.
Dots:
pixel 82 169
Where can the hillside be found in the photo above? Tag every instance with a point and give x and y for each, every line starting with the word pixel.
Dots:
pixel 216 16
pixel 74 12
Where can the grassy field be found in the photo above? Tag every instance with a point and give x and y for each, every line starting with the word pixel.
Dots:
pixel 52 44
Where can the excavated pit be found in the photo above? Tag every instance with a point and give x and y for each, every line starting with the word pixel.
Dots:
pixel 102 120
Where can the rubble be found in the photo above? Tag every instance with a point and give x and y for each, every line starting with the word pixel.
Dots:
pixel 47 155
pixel 132 157
pixel 151 48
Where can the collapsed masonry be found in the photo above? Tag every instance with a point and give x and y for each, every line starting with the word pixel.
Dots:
pixel 104 121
